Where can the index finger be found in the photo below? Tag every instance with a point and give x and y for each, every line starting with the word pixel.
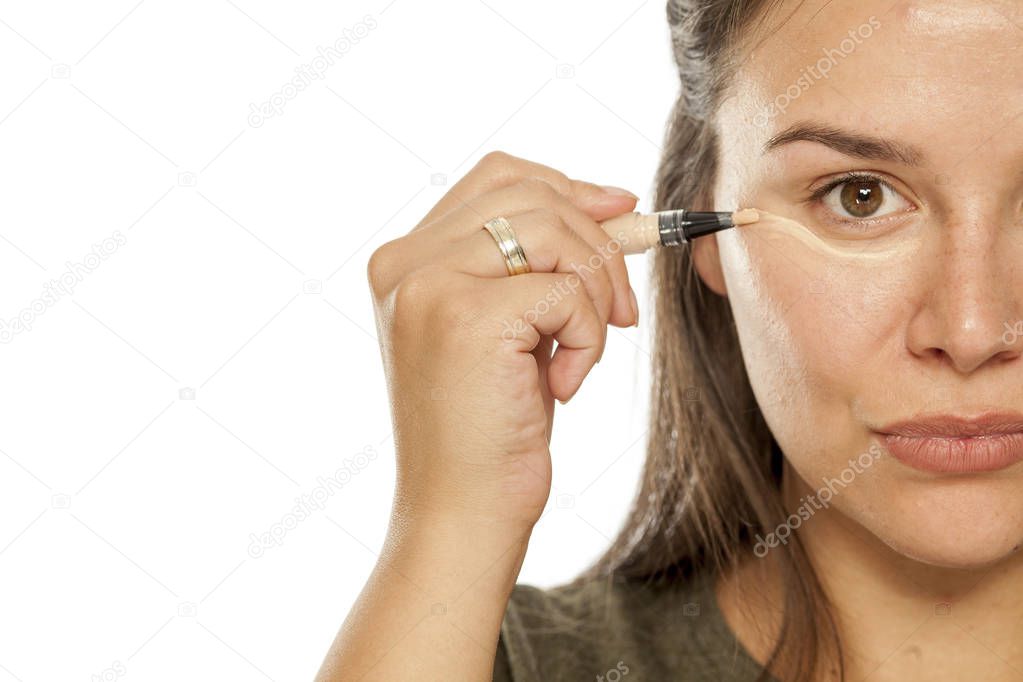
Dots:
pixel 499 169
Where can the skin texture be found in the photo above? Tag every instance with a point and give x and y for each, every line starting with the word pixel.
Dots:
pixel 468 355
pixel 837 340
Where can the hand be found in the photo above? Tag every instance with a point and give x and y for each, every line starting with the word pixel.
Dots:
pixel 468 349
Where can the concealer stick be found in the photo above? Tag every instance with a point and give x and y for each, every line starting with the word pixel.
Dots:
pixel 637 232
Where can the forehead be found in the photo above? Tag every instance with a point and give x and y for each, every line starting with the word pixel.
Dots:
pixel 930 72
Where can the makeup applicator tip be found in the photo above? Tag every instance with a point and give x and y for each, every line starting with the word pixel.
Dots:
pixel 745 216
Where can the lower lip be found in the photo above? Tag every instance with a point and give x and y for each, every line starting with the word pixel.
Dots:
pixel 957 455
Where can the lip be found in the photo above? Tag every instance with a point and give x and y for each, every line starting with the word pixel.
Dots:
pixel 954 444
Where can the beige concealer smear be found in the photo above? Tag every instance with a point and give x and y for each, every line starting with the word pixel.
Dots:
pixel 781 230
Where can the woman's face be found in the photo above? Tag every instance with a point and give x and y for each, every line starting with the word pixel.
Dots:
pixel 900 295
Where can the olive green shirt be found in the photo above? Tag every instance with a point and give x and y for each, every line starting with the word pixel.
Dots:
pixel 619 631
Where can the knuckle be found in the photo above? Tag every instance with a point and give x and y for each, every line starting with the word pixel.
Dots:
pixel 547 219
pixel 380 268
pixel 414 292
pixel 431 297
pixel 541 193
pixel 561 183
pixel 553 184
pixel 496 161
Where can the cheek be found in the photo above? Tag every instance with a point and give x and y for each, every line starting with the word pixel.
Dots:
pixel 817 335
pixel 824 344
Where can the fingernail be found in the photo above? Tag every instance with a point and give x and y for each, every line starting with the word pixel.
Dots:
pixel 617 191
pixel 635 306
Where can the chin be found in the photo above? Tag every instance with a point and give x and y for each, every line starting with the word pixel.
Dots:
pixel 953 522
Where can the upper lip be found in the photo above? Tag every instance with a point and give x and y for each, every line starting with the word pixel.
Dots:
pixel 955 426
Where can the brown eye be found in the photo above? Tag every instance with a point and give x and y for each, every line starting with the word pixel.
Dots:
pixel 862 198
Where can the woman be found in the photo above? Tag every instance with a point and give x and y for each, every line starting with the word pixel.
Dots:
pixel 843 500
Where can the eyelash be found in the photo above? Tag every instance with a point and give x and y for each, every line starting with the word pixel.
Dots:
pixel 858 176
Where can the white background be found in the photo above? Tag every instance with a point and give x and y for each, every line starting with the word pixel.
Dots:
pixel 128 505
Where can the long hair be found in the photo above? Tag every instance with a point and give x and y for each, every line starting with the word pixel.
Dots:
pixel 712 477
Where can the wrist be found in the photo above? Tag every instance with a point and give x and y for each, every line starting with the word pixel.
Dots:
pixel 476 516
pixel 450 552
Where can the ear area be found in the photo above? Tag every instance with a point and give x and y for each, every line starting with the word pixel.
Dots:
pixel 707 260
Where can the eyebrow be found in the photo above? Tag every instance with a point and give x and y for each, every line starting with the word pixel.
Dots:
pixel 848 142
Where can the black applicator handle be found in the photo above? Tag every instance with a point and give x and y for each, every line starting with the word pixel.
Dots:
pixel 678 227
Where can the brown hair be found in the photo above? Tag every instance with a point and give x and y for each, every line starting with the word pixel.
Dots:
pixel 712 478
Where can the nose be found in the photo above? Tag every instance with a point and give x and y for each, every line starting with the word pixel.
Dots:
pixel 970 316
